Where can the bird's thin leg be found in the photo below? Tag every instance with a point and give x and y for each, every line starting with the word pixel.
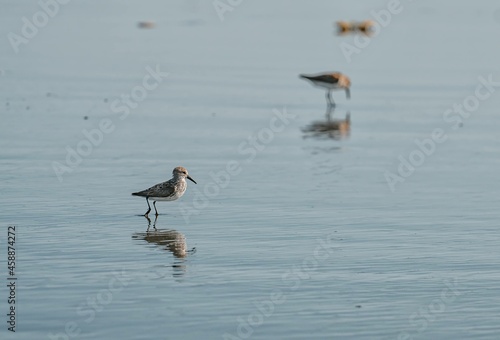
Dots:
pixel 149 208
pixel 329 112
pixel 154 205
pixel 154 224
pixel 329 100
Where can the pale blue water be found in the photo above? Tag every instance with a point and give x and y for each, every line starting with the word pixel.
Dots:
pixel 306 240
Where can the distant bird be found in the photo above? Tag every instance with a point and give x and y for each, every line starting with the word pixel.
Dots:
pixel 146 24
pixel 344 27
pixel 167 191
pixel 330 81
pixel 367 27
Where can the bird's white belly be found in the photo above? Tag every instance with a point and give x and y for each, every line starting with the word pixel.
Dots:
pixel 327 85
pixel 171 198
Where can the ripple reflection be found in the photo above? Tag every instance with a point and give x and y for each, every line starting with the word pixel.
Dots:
pixel 170 240
pixel 329 128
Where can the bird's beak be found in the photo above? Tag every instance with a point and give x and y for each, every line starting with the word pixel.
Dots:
pixel 192 180
pixel 347 93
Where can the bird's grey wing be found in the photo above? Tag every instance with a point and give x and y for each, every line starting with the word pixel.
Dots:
pixel 324 78
pixel 164 189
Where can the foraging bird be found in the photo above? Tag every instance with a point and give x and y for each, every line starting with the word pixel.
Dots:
pixel 167 191
pixel 344 27
pixel 330 81
pixel 367 27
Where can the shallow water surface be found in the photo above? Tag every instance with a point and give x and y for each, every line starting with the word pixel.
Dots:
pixel 304 223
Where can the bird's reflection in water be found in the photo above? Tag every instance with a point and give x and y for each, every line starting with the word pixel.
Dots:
pixel 171 241
pixel 329 128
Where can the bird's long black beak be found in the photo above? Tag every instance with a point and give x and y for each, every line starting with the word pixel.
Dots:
pixel 347 93
pixel 192 180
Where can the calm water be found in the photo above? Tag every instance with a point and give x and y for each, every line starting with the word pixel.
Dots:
pixel 293 231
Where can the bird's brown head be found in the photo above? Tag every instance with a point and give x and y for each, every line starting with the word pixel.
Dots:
pixel 181 171
pixel 343 80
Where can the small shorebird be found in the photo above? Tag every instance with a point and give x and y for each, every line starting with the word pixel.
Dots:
pixel 344 27
pixel 367 27
pixel 330 81
pixel 167 191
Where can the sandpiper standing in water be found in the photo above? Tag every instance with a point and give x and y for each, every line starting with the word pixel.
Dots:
pixel 330 81
pixel 167 191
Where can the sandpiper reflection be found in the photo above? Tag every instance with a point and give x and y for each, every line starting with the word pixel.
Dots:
pixel 170 240
pixel 329 128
